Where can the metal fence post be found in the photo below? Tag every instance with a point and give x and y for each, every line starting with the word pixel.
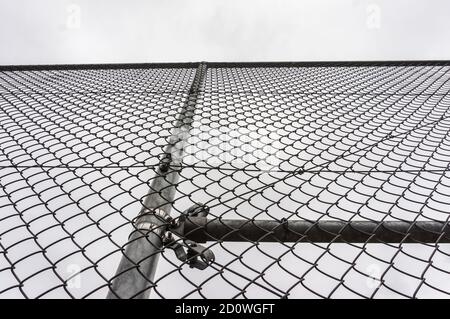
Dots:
pixel 135 274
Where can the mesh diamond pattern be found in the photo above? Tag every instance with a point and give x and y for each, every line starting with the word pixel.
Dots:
pixel 79 148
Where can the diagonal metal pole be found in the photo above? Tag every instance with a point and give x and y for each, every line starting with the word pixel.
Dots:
pixel 135 274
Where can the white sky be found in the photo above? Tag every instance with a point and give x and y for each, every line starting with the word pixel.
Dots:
pixel 112 31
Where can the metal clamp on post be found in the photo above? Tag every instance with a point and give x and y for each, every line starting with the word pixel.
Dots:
pixel 195 255
pixel 160 221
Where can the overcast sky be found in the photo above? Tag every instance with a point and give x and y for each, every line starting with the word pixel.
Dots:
pixel 113 31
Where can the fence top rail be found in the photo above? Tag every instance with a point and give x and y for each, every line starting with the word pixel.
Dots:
pixel 168 65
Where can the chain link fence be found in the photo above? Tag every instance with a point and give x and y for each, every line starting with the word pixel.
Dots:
pixel 216 180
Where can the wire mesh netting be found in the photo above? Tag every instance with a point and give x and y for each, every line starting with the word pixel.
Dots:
pixel 80 148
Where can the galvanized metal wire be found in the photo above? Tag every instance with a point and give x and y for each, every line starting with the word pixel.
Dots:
pixel 80 147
